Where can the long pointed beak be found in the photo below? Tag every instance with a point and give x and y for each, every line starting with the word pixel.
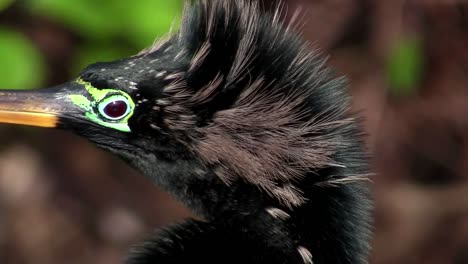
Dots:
pixel 41 108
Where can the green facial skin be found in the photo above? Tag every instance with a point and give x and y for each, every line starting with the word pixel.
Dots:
pixel 91 107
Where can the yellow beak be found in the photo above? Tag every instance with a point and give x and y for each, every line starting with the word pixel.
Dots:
pixel 28 118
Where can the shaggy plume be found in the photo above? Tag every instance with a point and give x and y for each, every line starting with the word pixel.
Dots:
pixel 252 101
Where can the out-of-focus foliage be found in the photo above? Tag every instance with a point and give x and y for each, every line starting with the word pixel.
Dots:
pixel 138 22
pixel 405 66
pixel 4 3
pixel 21 65
pixel 110 27
pixel 108 30
pixel 88 18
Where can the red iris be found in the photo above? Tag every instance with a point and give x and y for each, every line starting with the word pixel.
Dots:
pixel 115 109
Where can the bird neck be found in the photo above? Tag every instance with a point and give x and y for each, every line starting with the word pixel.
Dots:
pixel 330 227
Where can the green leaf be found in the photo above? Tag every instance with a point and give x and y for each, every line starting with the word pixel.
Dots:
pixel 139 21
pixel 405 66
pixel 4 4
pixel 149 19
pixel 88 18
pixel 21 65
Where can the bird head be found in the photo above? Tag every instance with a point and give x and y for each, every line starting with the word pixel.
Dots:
pixel 116 105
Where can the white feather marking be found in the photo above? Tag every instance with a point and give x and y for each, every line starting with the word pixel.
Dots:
pixel 278 213
pixel 160 74
pixel 179 55
pixel 305 254
pixel 289 195
pixel 176 75
pixel 162 102
pixel 153 126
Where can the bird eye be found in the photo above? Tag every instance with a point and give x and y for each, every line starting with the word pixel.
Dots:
pixel 114 108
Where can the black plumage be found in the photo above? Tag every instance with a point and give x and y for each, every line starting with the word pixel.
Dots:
pixel 237 118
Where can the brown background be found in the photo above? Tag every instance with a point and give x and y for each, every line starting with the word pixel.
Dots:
pixel 64 201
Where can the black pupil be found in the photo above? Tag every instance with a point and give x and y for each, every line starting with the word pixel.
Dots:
pixel 115 109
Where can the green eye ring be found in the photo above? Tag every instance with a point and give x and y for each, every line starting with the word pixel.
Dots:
pixel 114 108
pixel 95 102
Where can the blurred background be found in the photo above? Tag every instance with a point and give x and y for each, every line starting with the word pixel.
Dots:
pixel 64 201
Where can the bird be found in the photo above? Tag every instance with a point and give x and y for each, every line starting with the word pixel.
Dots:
pixel 241 120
